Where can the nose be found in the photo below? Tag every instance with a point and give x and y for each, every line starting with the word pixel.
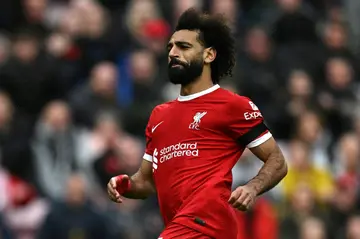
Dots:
pixel 174 52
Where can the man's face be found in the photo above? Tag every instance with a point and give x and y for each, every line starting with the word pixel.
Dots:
pixel 185 57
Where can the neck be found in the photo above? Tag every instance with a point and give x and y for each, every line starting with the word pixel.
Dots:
pixel 202 83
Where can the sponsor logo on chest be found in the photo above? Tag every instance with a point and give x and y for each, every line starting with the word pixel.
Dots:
pixel 174 151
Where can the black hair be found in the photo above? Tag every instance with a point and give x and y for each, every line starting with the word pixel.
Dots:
pixel 213 32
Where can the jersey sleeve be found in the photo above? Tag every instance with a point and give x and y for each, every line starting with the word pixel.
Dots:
pixel 246 124
pixel 149 150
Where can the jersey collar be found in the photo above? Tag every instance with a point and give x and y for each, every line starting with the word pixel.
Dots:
pixel 196 95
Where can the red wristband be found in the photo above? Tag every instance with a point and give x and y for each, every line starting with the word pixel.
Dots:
pixel 123 183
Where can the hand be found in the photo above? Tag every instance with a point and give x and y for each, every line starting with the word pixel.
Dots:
pixel 117 186
pixel 243 198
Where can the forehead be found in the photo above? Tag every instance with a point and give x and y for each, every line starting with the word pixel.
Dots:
pixel 185 36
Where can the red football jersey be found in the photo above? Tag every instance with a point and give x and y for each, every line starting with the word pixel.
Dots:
pixel 193 143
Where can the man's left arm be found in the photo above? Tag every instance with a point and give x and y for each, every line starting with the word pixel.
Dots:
pixel 274 168
pixel 271 173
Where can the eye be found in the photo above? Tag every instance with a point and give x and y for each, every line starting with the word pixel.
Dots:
pixel 184 47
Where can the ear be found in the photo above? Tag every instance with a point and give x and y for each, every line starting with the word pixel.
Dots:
pixel 209 55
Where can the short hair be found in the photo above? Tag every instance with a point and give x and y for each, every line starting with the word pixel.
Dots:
pixel 213 32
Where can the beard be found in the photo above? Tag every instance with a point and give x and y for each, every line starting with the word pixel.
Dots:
pixel 185 73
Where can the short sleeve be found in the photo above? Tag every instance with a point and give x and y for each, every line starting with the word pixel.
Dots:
pixel 246 124
pixel 149 150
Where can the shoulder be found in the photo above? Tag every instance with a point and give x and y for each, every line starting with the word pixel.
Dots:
pixel 161 109
pixel 236 103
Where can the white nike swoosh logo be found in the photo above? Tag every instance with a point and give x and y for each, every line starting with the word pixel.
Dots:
pixel 154 128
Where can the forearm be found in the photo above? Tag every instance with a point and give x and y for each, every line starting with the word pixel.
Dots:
pixel 272 172
pixel 140 187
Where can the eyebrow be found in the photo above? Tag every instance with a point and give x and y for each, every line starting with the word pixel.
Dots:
pixel 181 43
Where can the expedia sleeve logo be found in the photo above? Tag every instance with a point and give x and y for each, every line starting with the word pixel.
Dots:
pixel 254 114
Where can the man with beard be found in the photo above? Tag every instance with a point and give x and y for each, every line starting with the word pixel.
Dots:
pixel 194 141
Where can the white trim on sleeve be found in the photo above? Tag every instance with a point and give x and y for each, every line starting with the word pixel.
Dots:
pixel 147 157
pixel 259 140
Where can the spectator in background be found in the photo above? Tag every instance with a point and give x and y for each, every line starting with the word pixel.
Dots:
pixel 300 89
pixel 148 30
pixel 313 228
pixel 302 170
pixel 310 130
pixel 335 39
pixel 295 101
pixel 258 79
pixel 15 133
pixel 25 210
pixel 156 34
pixel 136 219
pixel 337 95
pixel 356 122
pixel 5 232
pixel 75 216
pixel 181 6
pixel 5 46
pixel 294 26
pixel 302 207
pixel 231 8
pixel 347 162
pixel 66 56
pixel 99 94
pixel 352 228
pixel 139 13
pixel 347 174
pixel 93 40
pixel 143 72
pixel 344 204
pixel 260 222
pixel 107 151
pixel 71 23
pixel 27 76
pixel 55 149
pixel 294 34
pixel 60 49
pixel 34 15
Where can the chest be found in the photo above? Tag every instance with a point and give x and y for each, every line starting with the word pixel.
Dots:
pixel 183 123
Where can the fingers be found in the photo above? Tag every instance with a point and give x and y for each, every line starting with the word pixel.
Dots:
pixel 246 205
pixel 241 199
pixel 112 192
pixel 235 195
pixel 113 182
pixel 123 184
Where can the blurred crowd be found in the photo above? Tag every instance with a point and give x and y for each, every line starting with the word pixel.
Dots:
pixel 79 78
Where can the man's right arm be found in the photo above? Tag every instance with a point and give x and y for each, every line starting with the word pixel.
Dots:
pixel 138 186
pixel 142 184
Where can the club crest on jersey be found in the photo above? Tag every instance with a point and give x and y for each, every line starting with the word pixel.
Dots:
pixel 253 106
pixel 197 119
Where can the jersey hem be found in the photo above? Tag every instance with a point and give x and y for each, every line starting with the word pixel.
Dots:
pixel 195 228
